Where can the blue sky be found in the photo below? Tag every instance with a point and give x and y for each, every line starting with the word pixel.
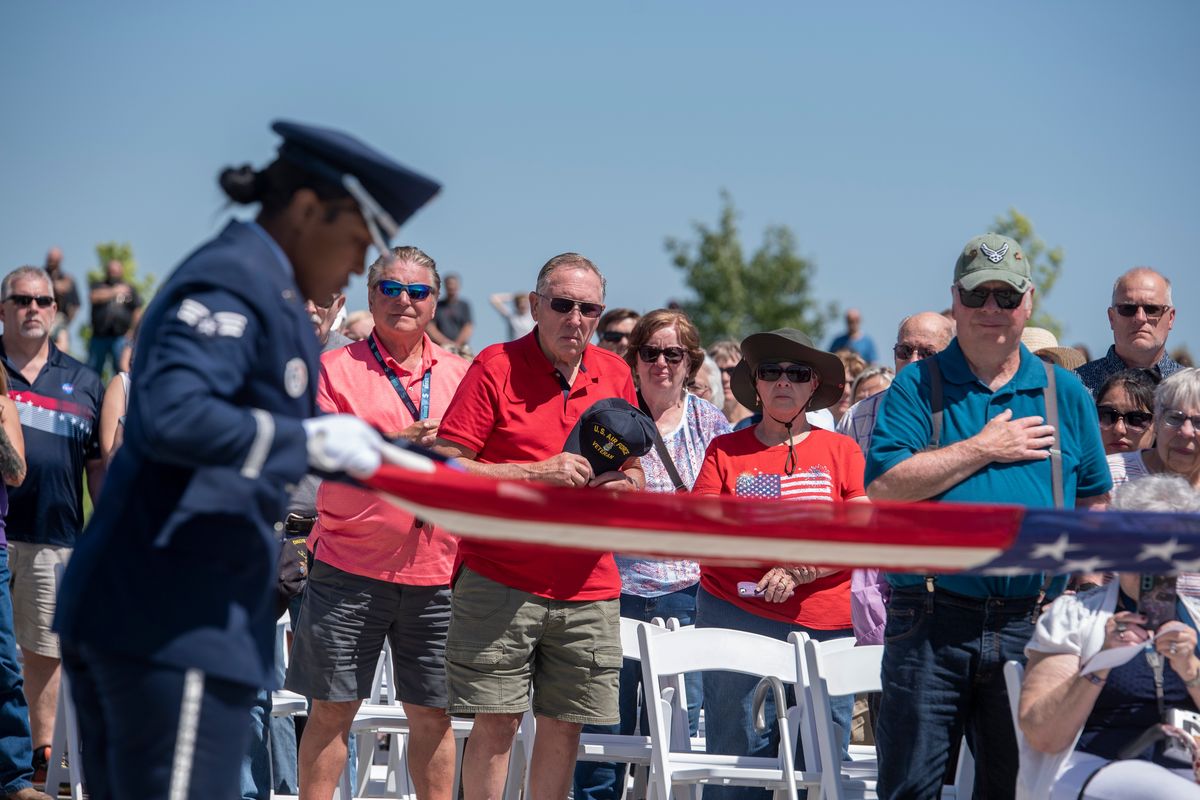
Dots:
pixel 885 135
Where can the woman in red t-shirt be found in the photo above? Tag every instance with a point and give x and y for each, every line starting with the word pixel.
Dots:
pixel 781 458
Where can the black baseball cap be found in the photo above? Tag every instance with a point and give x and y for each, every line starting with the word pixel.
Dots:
pixel 609 432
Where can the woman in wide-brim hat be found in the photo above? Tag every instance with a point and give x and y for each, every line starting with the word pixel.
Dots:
pixel 783 457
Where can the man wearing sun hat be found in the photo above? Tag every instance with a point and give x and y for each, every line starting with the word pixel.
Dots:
pixel 947 636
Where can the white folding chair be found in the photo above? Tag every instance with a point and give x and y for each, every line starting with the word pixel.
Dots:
pixel 835 668
pixel 65 743
pixel 705 649
pixel 1014 675
pixel 633 749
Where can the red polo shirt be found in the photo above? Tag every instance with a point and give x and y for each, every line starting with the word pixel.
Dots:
pixel 358 531
pixel 511 409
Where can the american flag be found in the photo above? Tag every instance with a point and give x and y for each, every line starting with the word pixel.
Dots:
pixel 910 537
pixel 813 484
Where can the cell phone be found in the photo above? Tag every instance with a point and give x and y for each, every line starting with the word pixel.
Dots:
pixel 1157 600
pixel 749 589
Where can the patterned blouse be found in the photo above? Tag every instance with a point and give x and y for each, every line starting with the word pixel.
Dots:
pixel 700 424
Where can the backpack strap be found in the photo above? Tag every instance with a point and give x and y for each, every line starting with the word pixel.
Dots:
pixel 935 402
pixel 1050 394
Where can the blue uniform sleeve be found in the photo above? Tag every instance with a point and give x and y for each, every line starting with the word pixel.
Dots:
pixel 902 423
pixel 1079 411
pixel 184 404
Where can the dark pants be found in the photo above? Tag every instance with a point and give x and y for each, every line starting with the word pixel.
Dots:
pixel 134 745
pixel 600 780
pixel 728 717
pixel 15 749
pixel 943 674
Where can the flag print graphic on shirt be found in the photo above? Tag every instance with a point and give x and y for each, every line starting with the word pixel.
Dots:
pixel 815 483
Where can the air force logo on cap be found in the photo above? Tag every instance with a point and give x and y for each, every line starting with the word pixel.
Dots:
pixel 994 256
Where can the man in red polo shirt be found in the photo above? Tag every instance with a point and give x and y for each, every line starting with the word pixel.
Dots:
pixel 526 615
pixel 378 572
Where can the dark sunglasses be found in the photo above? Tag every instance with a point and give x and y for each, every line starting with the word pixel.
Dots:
pixel 1175 419
pixel 905 351
pixel 649 354
pixel 26 300
pixel 416 291
pixel 1153 311
pixel 1007 299
pixel 611 336
pixel 562 305
pixel 729 370
pixel 797 373
pixel 1134 420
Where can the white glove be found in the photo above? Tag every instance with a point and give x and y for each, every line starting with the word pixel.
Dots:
pixel 343 443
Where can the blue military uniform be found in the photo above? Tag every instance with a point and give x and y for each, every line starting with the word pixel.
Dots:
pixel 167 609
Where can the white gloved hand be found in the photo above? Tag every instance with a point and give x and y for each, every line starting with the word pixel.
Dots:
pixel 343 443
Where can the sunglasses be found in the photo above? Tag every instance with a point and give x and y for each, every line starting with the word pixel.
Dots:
pixel 1175 419
pixel 1007 299
pixel 1153 311
pixel 26 300
pixel 562 305
pixel 649 354
pixel 906 351
pixel 416 291
pixel 729 370
pixel 1134 420
pixel 609 336
pixel 797 373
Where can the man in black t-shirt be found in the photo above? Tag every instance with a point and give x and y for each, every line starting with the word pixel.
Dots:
pixel 452 323
pixel 115 309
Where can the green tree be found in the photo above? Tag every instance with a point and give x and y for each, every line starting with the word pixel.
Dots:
pixel 735 297
pixel 1045 263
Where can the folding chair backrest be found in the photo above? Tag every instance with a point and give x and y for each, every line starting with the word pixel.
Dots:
pixel 701 649
pixel 847 670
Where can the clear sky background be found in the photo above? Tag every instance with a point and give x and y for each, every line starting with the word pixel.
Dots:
pixel 884 134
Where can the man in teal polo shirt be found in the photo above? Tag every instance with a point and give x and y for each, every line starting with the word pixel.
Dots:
pixel 947 637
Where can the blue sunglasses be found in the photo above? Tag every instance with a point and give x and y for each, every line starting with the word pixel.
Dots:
pixel 416 291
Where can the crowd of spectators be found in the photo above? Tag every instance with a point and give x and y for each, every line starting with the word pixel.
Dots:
pixel 962 412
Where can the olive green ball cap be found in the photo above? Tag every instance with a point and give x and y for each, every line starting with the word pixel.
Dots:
pixel 992 257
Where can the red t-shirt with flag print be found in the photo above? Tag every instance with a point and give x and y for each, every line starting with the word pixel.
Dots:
pixel 829 469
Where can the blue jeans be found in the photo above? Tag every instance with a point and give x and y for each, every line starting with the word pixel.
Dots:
pixel 598 780
pixel 101 349
pixel 16 751
pixel 729 724
pixel 943 674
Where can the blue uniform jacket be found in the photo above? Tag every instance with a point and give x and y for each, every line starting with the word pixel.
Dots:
pixel 178 562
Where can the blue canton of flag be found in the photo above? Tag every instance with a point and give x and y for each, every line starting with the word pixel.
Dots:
pixel 812 484
pixel 1085 541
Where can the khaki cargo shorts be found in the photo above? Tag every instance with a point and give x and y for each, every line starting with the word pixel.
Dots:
pixel 504 641
pixel 34 591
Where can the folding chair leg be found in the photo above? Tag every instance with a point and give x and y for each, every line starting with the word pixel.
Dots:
pixel 65 744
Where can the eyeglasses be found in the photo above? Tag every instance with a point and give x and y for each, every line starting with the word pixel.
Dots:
pixel 562 305
pixel 1134 420
pixel 416 291
pixel 797 373
pixel 1153 311
pixel 611 337
pixel 1007 299
pixel 26 300
pixel 729 370
pixel 649 354
pixel 906 351
pixel 1175 419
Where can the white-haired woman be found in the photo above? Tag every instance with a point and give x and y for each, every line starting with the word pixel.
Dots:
pixel 1075 725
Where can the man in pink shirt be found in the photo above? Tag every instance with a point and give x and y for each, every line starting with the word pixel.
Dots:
pixel 378 572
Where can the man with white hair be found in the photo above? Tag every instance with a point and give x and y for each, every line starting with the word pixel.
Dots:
pixel 1141 316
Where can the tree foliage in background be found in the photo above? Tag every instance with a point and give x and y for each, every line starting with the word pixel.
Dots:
pixel 735 297
pixel 1045 263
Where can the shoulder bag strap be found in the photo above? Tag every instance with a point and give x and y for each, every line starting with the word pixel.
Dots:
pixel 935 402
pixel 1056 465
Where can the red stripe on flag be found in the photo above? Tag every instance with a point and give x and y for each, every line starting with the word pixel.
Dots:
pixel 914 537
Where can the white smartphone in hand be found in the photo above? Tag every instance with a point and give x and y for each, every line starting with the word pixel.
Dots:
pixel 749 589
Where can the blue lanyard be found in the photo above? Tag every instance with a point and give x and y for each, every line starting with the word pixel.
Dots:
pixel 391 376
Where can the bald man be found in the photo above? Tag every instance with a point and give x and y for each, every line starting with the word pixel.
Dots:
pixel 919 337
pixel 854 338
pixel 1141 316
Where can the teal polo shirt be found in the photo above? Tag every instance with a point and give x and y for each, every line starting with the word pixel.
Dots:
pixel 904 427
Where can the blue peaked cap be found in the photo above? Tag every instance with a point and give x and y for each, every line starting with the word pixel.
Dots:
pixel 333 155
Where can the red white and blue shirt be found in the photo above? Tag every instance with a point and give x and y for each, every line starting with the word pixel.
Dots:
pixel 60 419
